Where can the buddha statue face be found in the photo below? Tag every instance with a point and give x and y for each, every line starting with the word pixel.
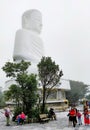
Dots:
pixel 32 20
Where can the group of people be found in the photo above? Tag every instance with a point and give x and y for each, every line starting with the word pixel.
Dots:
pixel 20 118
pixel 74 116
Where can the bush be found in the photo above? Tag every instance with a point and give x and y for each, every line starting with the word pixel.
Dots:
pixel 45 110
pixel 34 113
pixel 17 111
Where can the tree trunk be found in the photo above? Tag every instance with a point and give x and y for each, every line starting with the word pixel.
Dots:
pixel 43 104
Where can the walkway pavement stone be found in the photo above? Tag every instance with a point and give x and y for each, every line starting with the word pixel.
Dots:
pixel 60 124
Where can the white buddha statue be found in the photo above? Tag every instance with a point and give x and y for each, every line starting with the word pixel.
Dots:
pixel 28 44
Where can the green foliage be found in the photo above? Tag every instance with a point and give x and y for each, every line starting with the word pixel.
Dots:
pixel 2 100
pixel 17 111
pixel 88 97
pixel 49 75
pixel 25 89
pixel 14 93
pixel 30 92
pixel 45 109
pixel 7 95
pixel 49 72
pixel 78 91
pixel 13 69
pixel 34 113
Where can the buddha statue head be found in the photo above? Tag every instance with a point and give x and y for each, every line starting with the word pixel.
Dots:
pixel 32 20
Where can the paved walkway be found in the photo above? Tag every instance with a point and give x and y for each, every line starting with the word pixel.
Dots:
pixel 60 124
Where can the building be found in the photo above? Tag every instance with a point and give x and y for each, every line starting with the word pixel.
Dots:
pixel 56 99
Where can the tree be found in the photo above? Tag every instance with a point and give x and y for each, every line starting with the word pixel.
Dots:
pixel 2 100
pixel 26 84
pixel 78 91
pixel 88 97
pixel 14 93
pixel 49 75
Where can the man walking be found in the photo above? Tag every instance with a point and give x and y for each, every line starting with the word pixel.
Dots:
pixel 7 115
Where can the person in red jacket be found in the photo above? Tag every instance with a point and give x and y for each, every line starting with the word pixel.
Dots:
pixel 73 113
pixel 86 117
pixel 23 117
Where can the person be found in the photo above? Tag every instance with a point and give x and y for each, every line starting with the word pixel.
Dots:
pixel 7 115
pixel 89 104
pixel 28 44
pixel 23 117
pixel 73 113
pixel 86 116
pixel 18 118
pixel 69 119
pixel 79 117
pixel 52 114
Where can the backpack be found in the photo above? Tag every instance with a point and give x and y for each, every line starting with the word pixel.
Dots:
pixel 6 113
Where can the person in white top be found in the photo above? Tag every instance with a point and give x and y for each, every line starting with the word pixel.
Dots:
pixel 7 115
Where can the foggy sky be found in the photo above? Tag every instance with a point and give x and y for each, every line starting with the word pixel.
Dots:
pixel 65 33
